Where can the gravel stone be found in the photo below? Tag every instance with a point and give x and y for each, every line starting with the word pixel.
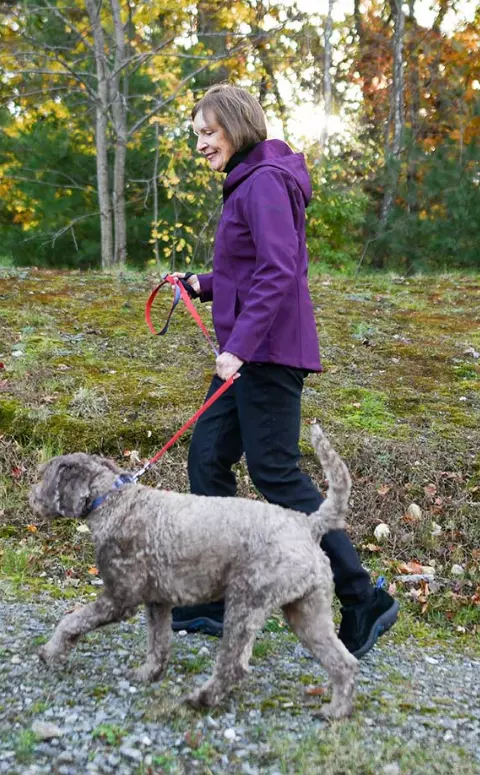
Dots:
pixel 406 693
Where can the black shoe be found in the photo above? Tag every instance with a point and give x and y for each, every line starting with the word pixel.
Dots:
pixel 362 624
pixel 205 617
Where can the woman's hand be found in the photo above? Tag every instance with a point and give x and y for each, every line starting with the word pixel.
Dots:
pixel 192 280
pixel 227 364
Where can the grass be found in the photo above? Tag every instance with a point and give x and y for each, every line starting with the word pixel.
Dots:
pixel 399 397
pixel 25 746
pixel 110 734
pixel 347 748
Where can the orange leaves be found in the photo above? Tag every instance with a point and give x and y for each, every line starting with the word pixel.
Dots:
pixel 371 547
pixel 420 594
pixel 413 567
pixel 384 489
pixel 315 691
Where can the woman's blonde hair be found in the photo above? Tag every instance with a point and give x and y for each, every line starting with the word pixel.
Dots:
pixel 239 114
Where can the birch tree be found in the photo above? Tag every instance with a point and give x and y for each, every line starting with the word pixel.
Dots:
pixel 101 143
pixel 327 75
pixel 394 143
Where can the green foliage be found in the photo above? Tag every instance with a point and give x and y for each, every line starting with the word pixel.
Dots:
pixel 25 746
pixel 335 217
pixel 111 734
pixel 435 223
pixel 49 210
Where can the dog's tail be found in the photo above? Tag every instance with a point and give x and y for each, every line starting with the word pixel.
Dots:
pixel 333 510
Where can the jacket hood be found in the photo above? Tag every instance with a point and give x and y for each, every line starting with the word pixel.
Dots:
pixel 271 153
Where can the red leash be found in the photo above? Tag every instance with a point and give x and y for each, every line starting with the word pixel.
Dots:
pixel 180 292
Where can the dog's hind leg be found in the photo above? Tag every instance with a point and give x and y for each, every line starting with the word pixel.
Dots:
pixel 159 636
pixel 311 619
pixel 243 619
pixel 102 611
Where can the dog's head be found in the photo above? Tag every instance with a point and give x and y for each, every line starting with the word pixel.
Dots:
pixel 69 483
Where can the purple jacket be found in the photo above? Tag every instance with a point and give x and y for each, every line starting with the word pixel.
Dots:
pixel 262 309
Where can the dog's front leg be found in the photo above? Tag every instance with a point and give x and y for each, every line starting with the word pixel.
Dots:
pixel 159 636
pixel 75 624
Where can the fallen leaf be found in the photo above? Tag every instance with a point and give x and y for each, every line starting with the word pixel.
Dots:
pixel 315 691
pixel 410 567
pixel 384 489
pixel 32 528
pixel 430 490
pixel 93 571
pixel 48 399
pixel 371 547
pixel 409 519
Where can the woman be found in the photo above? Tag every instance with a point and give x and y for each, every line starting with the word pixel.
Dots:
pixel 265 326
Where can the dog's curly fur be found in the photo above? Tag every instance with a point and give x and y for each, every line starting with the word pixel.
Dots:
pixel 166 549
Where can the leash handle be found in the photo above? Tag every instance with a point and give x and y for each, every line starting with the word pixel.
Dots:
pixel 179 292
pixel 187 425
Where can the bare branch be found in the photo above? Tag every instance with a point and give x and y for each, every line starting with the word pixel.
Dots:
pixel 51 185
pixel 162 103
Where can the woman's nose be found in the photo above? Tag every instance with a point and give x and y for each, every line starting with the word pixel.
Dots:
pixel 201 144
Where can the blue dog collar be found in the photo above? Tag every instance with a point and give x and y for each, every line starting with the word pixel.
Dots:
pixel 119 482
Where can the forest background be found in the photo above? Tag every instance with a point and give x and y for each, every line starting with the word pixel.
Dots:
pixel 97 160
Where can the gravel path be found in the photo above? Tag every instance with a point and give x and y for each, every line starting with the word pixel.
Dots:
pixel 88 716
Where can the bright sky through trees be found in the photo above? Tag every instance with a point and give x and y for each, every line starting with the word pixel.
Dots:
pixel 308 120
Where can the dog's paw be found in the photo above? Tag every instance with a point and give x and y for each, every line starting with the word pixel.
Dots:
pixel 207 696
pixel 51 656
pixel 331 711
pixel 147 673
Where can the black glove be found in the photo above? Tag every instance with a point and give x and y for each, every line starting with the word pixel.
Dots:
pixel 191 292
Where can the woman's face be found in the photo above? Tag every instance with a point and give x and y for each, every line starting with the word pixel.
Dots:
pixel 212 142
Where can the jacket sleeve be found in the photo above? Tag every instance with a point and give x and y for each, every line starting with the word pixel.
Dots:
pixel 206 286
pixel 269 215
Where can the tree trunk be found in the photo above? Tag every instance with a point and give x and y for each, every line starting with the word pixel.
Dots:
pixel 119 112
pixel 155 194
pixel 327 76
pixel 212 34
pixel 101 144
pixel 414 108
pixel 392 155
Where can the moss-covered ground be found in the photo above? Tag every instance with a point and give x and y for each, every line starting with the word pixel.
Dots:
pixel 399 397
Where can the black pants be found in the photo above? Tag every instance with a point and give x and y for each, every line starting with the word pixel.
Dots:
pixel 260 415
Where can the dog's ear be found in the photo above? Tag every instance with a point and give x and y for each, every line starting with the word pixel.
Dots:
pixel 69 486
pixel 108 463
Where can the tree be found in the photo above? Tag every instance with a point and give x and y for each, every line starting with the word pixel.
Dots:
pixel 394 145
